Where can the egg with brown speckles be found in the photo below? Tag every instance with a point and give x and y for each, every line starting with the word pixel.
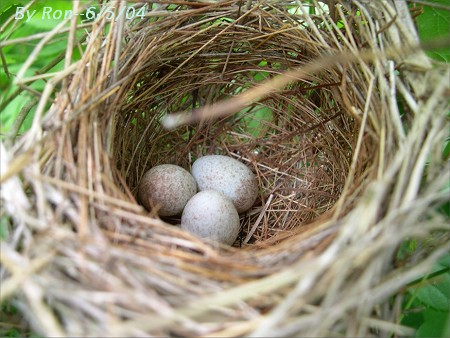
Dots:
pixel 167 187
pixel 209 214
pixel 227 176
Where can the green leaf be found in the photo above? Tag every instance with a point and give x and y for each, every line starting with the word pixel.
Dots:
pixel 7 10
pixel 4 231
pixel 5 4
pixel 436 295
pixel 426 307
pixel 434 325
pixel 406 249
pixel 257 120
pixel 413 319
pixel 447 328
pixel 446 151
pixel 445 261
pixel 433 23
pixel 261 76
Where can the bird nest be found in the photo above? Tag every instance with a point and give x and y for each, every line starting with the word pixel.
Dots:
pixel 334 108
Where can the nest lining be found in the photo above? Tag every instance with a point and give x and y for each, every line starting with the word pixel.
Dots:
pixel 299 141
pixel 330 158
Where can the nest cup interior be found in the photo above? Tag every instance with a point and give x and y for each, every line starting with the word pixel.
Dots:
pixel 299 141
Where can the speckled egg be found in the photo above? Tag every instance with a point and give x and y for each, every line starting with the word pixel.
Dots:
pixel 209 214
pixel 228 176
pixel 167 187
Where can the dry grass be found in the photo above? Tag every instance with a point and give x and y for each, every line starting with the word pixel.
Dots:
pixel 344 176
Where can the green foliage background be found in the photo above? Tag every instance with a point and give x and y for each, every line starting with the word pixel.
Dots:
pixel 426 302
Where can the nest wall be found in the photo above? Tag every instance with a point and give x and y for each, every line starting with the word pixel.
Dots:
pixel 339 177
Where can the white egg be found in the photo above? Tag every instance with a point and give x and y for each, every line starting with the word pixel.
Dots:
pixel 228 176
pixel 209 214
pixel 167 187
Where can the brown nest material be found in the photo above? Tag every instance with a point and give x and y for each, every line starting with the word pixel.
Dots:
pixel 346 147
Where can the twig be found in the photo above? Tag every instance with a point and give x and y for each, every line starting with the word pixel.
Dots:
pixel 258 220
